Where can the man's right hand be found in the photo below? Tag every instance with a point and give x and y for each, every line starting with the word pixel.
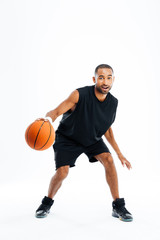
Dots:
pixel 45 119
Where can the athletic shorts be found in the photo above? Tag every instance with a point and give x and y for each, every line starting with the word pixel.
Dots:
pixel 66 151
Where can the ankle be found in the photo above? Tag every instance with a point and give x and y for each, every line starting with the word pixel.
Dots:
pixel 117 197
pixel 47 201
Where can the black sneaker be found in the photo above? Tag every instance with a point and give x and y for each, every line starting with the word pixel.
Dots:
pixel 44 208
pixel 119 210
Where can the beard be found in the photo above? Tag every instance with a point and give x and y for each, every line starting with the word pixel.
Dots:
pixel 102 91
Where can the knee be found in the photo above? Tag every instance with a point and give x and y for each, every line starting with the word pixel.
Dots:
pixel 62 172
pixel 108 159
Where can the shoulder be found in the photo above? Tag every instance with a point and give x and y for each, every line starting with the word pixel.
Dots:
pixel 77 94
pixel 114 99
pixel 74 96
pixel 83 90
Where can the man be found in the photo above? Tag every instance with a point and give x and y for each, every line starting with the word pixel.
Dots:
pixel 88 114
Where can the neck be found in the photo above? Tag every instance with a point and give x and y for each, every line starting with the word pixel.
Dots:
pixel 101 97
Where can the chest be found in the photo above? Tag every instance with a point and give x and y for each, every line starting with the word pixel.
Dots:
pixel 97 114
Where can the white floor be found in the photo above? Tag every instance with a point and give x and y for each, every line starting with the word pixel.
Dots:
pixel 81 211
pixel 76 221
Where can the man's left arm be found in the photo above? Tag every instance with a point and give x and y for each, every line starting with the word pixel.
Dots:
pixel 110 138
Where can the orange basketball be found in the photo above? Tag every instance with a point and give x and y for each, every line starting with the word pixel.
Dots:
pixel 40 135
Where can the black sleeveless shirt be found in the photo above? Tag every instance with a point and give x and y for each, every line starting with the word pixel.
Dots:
pixel 90 119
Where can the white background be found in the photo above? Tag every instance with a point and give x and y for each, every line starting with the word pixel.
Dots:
pixel 48 49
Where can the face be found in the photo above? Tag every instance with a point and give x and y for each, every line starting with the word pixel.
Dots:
pixel 104 80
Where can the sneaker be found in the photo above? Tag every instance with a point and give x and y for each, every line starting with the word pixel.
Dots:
pixel 44 208
pixel 119 210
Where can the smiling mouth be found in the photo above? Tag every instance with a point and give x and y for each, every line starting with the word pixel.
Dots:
pixel 105 87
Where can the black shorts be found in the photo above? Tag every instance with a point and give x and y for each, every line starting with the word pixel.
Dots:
pixel 67 151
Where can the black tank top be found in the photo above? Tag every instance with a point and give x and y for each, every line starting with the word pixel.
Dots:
pixel 90 119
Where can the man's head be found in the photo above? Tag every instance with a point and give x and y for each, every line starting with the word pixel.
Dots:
pixel 104 78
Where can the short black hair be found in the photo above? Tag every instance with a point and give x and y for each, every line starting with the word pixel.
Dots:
pixel 103 66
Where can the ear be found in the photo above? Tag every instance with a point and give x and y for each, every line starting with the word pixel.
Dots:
pixel 113 78
pixel 94 80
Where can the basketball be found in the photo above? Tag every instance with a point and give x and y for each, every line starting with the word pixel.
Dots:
pixel 40 135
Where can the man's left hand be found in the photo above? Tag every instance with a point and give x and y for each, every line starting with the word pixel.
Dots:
pixel 124 161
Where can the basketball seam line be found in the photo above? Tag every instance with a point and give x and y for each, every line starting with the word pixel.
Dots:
pixel 37 135
pixel 48 137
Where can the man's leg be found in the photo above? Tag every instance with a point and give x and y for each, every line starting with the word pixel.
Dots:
pixel 54 185
pixel 119 210
pixel 56 180
pixel 110 172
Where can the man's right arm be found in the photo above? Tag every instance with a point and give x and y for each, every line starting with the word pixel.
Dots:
pixel 67 104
